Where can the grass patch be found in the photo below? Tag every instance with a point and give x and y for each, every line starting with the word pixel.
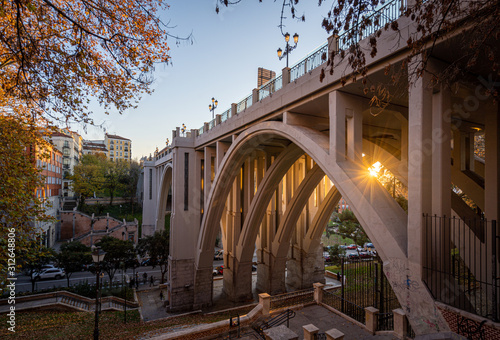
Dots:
pixel 333 269
pixel 121 211
pixel 80 325
pixel 335 239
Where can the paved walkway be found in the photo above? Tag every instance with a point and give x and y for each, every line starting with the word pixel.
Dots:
pixel 325 320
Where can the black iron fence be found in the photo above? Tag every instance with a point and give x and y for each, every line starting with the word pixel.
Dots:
pixel 299 297
pixel 363 284
pixel 460 268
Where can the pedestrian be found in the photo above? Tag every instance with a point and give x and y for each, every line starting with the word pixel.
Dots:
pixel 145 277
pixel 136 280
pixel 161 295
pixel 151 281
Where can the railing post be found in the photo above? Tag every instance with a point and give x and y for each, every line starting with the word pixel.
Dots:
pixel 333 45
pixel 494 268
pixel 217 119
pixel 371 317
pixel 285 76
pixel 206 127
pixel 399 317
pixel 310 332
pixel 342 305
pixel 234 109
pixel 318 292
pixel 255 96
pixel 265 302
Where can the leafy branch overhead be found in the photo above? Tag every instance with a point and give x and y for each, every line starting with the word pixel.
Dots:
pixel 59 55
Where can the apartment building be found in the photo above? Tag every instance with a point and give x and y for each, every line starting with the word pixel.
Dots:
pixel 70 144
pixel 50 161
pixel 119 148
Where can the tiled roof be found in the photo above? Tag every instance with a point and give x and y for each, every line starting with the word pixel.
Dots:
pixel 117 137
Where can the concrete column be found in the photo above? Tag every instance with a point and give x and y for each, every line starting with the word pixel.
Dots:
pixel 221 149
pixel 217 119
pixel 400 324
pixel 441 172
pixel 354 134
pixel 310 332
pixel 337 127
pixel 371 319
pixel 271 275
pixel 238 280
pixel 234 109
pixel 318 292
pixel 305 269
pixel 209 152
pixel 419 166
pixel 265 302
pixel 185 219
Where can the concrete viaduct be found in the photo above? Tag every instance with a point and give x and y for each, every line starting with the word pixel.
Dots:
pixel 267 173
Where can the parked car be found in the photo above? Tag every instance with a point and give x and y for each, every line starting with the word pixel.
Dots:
pixel 364 255
pixel 219 255
pixel 369 246
pixel 49 273
pixel 352 256
pixel 343 246
pixel 326 256
pixel 146 262
pixel 352 246
pixel 218 270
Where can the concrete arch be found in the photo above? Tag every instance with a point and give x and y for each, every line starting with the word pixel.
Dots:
pixel 165 185
pixel 281 241
pixel 384 220
pixel 313 236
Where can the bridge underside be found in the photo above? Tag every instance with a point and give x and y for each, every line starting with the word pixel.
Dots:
pixel 268 179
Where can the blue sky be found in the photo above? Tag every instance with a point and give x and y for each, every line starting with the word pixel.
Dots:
pixel 222 62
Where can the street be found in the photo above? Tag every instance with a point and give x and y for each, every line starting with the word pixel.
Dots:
pixel 23 283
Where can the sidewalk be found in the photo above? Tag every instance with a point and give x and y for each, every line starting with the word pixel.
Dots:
pixel 326 320
pixel 152 307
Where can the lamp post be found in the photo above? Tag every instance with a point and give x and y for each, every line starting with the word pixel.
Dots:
pixel 97 257
pixel 213 106
pixel 183 129
pixel 167 142
pixel 288 48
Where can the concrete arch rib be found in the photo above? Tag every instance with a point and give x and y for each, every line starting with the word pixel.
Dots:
pixel 313 236
pixel 281 241
pixel 265 191
pixel 165 184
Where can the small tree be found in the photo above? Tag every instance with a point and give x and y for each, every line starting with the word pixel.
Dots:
pixel 336 254
pixel 117 251
pixel 348 226
pixel 88 175
pixel 72 257
pixel 157 246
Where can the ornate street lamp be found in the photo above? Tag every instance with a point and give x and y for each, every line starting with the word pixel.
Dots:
pixel 97 257
pixel 288 48
pixel 183 129
pixel 213 106
pixel 167 142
